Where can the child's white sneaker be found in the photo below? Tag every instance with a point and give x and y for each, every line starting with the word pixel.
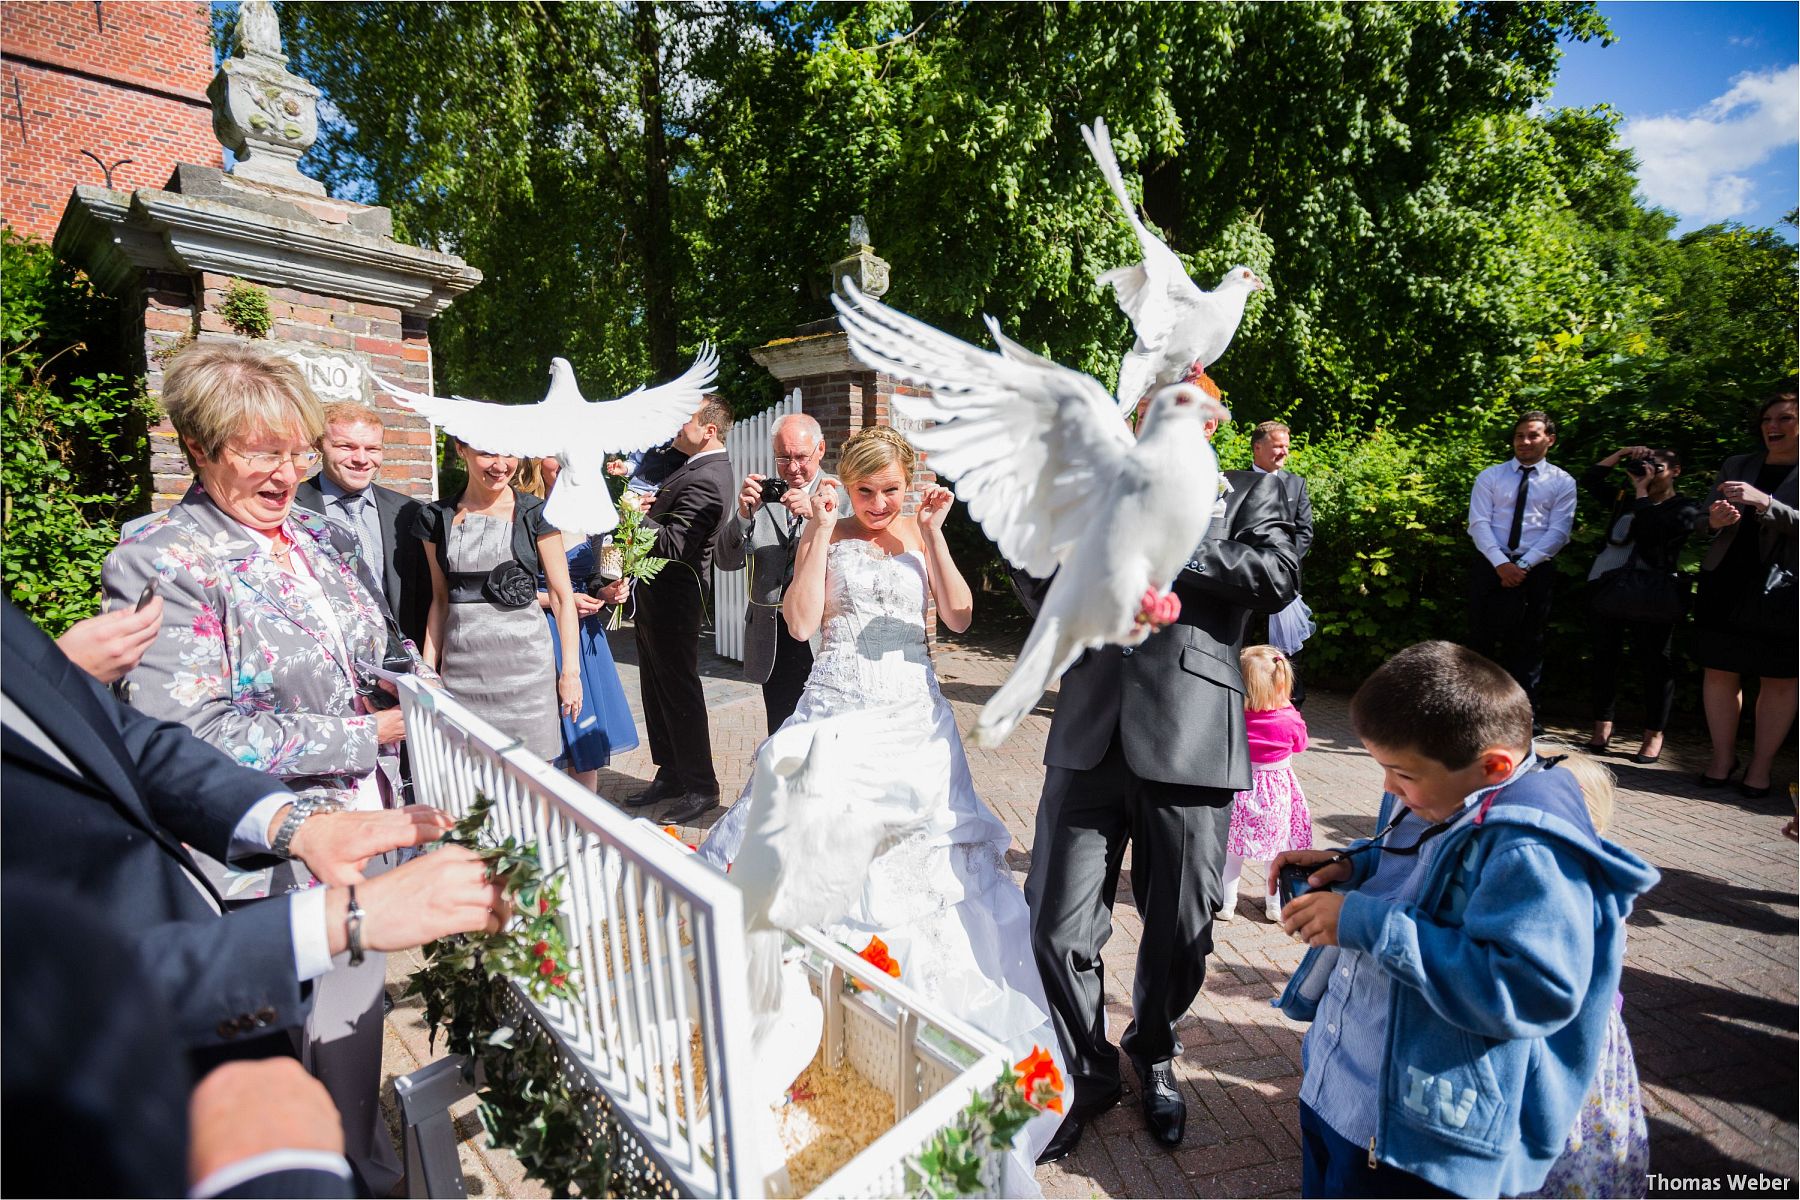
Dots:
pixel 1228 909
pixel 1272 908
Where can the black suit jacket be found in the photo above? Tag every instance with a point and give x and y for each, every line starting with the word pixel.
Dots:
pixel 406 577
pixel 1177 700
pixel 113 833
pixel 1294 496
pixel 686 516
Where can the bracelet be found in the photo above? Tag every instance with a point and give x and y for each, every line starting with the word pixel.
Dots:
pixel 353 923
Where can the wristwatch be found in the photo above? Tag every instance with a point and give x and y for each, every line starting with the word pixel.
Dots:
pixel 302 808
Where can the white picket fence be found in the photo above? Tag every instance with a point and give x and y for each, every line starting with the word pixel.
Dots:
pixel 748 446
pixel 662 1022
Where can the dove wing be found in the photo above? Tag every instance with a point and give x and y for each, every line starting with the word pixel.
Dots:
pixel 525 430
pixel 1154 292
pixel 649 416
pixel 1032 445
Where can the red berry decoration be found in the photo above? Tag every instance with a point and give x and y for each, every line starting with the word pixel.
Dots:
pixel 541 949
pixel 547 967
pixel 543 904
pixel 558 980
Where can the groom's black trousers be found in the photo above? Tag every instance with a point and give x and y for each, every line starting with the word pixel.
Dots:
pixel 1177 837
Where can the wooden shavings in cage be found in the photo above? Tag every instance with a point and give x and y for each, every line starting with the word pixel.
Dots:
pixel 830 1118
pixel 643 942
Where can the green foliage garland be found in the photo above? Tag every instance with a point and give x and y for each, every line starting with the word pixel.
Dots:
pixel 74 437
pixel 949 1165
pixel 245 308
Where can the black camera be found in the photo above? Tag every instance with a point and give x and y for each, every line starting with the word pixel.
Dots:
pixel 1637 466
pixel 1290 881
pixel 774 489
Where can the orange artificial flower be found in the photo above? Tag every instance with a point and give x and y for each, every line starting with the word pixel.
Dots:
pixel 1040 1081
pixel 876 955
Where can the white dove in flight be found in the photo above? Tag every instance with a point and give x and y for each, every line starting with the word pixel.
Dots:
pixel 1179 327
pixel 1041 458
pixel 825 802
pixel 579 432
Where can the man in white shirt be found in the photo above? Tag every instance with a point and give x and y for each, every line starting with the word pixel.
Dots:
pixel 1520 514
pixel 765 533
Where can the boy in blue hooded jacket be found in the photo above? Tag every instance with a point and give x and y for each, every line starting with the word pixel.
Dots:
pixel 1464 959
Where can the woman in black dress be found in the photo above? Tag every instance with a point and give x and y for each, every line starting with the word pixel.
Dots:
pixel 1649 526
pixel 1745 613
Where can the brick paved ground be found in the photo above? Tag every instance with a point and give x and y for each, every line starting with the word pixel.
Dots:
pixel 1710 975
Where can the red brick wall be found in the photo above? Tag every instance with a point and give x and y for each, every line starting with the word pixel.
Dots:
pixel 123 80
pixel 394 344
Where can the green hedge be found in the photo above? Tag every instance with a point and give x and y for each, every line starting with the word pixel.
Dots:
pixel 75 443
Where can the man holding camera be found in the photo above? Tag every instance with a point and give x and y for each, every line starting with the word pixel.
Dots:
pixel 1520 515
pixel 764 534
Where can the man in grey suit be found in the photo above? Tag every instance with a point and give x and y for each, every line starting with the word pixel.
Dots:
pixel 1147 747
pixel 1268 456
pixel 345 491
pixel 764 534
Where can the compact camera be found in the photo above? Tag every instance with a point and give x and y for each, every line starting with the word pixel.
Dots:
pixel 1290 881
pixel 1639 467
pixel 773 490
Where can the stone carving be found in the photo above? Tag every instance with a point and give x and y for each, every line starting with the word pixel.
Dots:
pixel 258 31
pixel 263 113
pixel 867 270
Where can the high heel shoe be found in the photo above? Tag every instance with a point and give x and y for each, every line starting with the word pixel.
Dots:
pixel 1596 747
pixel 1714 781
pixel 1755 793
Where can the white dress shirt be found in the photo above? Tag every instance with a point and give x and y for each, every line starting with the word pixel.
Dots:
pixel 1549 513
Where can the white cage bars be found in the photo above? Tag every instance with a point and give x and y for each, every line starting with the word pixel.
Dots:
pixel 662 1022
pixel 748 445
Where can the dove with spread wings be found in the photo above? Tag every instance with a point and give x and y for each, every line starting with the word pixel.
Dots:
pixel 1180 329
pixel 578 432
pixel 1042 459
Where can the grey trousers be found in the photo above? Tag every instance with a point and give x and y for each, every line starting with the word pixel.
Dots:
pixel 341 1046
pixel 1177 837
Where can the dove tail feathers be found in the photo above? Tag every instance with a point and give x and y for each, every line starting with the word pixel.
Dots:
pixel 1099 144
pixel 1037 665
pixel 580 507
pixel 764 948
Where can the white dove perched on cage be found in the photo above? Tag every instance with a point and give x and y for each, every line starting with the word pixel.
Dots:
pixel 579 432
pixel 1041 458
pixel 1179 327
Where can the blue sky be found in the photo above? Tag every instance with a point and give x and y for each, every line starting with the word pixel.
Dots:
pixel 1711 98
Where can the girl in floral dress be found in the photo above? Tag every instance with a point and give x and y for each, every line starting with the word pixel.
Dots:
pixel 1272 816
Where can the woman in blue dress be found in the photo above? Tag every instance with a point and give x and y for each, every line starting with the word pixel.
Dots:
pixel 604 726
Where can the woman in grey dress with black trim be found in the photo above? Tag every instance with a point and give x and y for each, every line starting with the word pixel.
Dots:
pixel 485 633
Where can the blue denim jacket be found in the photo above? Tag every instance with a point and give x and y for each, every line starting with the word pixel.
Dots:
pixel 1504 970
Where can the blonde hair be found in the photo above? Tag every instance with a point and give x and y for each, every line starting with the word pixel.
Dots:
pixel 529 477
pixel 873 449
pixel 351 412
pixel 215 391
pixel 1597 785
pixel 1268 678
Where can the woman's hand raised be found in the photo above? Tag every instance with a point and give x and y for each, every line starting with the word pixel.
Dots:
pixel 825 507
pixel 934 505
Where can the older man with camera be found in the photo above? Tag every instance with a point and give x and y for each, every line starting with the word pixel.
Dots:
pixel 763 535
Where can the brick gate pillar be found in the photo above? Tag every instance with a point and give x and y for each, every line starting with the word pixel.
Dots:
pixel 343 295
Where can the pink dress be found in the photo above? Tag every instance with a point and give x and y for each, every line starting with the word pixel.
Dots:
pixel 1272 816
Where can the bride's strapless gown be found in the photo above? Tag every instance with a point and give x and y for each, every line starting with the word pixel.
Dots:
pixel 942 899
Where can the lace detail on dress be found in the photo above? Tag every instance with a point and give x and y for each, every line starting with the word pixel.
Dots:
pixel 873 636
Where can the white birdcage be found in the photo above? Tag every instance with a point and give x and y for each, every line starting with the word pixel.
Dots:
pixel 661 1024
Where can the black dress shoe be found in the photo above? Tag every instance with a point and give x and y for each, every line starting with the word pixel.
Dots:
pixel 1755 793
pixel 1068 1134
pixel 1165 1112
pixel 659 790
pixel 689 807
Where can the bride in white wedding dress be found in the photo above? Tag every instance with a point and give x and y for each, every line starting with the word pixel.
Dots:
pixel 942 899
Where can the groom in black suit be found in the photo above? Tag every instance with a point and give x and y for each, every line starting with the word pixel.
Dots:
pixel 685 516
pixel 1147 747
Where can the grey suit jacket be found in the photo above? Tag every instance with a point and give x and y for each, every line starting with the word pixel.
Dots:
pixel 405 575
pixel 764 544
pixel 1177 699
pixel 1776 528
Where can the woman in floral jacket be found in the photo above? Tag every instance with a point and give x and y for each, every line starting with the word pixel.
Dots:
pixel 269 633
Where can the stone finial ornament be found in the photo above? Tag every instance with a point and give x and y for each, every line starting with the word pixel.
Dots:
pixel 867 270
pixel 263 113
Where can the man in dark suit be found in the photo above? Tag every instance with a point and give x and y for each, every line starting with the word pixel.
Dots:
pixel 766 537
pixel 1147 747
pixel 345 491
pixel 685 516
pixel 98 799
pixel 1268 456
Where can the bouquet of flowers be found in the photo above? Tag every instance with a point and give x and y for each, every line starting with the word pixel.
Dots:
pixel 632 542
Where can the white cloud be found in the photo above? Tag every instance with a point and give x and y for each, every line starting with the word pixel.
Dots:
pixel 1694 165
